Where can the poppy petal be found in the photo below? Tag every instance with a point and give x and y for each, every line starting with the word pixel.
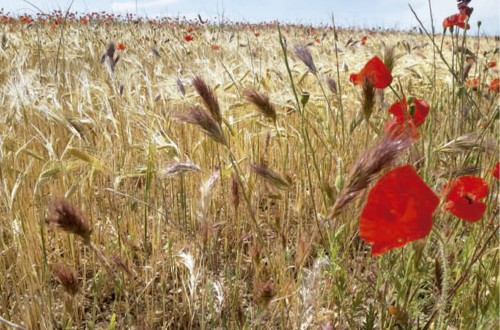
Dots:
pixel 398 109
pixel 378 73
pixel 496 171
pixel 463 210
pixel 421 112
pixel 398 210
pixel 463 197
pixel 375 71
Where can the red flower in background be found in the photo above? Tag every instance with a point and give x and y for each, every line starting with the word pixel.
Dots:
pixel 121 47
pixel 363 40
pixel 188 37
pixel 456 20
pixel 463 7
pixel 463 195
pixel 407 117
pixel 496 171
pixel 398 210
pixel 472 83
pixel 490 64
pixel 495 85
pixel 374 71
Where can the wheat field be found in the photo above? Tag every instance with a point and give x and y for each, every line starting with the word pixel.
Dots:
pixel 199 168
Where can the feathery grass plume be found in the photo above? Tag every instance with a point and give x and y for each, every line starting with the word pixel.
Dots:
pixel 198 116
pixel 67 278
pixel 65 216
pixel 155 52
pixel 209 98
pixel 468 142
pixel 305 56
pixel 368 96
pixel 109 55
pixel 332 85
pixel 178 168
pixel 120 264
pixel 389 57
pixel 235 191
pixel 367 168
pixel 271 176
pixel 4 41
pixel 263 293
pixel 180 85
pixel 194 272
pixel 261 103
pixel 206 191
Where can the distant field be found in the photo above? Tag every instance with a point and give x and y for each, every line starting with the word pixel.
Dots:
pixel 211 176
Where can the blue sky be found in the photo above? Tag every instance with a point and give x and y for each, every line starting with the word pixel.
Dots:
pixel 362 13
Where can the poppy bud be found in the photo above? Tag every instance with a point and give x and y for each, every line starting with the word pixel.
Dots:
pixel 304 98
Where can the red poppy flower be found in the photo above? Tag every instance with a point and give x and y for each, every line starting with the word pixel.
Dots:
pixel 464 9
pixel 495 85
pixel 375 71
pixel 472 83
pixel 496 171
pixel 463 195
pixel 456 20
pixel 363 40
pixel 215 47
pixel 121 47
pixel 490 64
pixel 188 37
pixel 407 119
pixel 398 210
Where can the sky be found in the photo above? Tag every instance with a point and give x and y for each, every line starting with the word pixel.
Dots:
pixel 360 13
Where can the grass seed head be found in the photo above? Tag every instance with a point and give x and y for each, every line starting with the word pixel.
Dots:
pixel 367 168
pixel 67 278
pixel 332 85
pixel 209 98
pixel 305 56
pixel 271 176
pixel 65 216
pixel 368 98
pixel 198 116
pixel 261 103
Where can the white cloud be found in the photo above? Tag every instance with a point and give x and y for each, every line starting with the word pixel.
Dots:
pixel 132 4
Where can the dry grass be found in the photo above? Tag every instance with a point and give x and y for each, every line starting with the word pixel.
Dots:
pixel 171 210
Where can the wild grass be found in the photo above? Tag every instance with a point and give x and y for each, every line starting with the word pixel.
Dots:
pixel 223 224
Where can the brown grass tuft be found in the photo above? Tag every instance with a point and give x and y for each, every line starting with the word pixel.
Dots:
pixel 180 85
pixel 367 168
pixel 264 293
pixel 198 116
pixel 65 216
pixel 120 264
pixel 332 85
pixel 368 98
pixel 209 98
pixel 271 176
pixel 389 57
pixel 305 56
pixel 261 103
pixel 173 169
pixel 67 278
pixel 235 191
